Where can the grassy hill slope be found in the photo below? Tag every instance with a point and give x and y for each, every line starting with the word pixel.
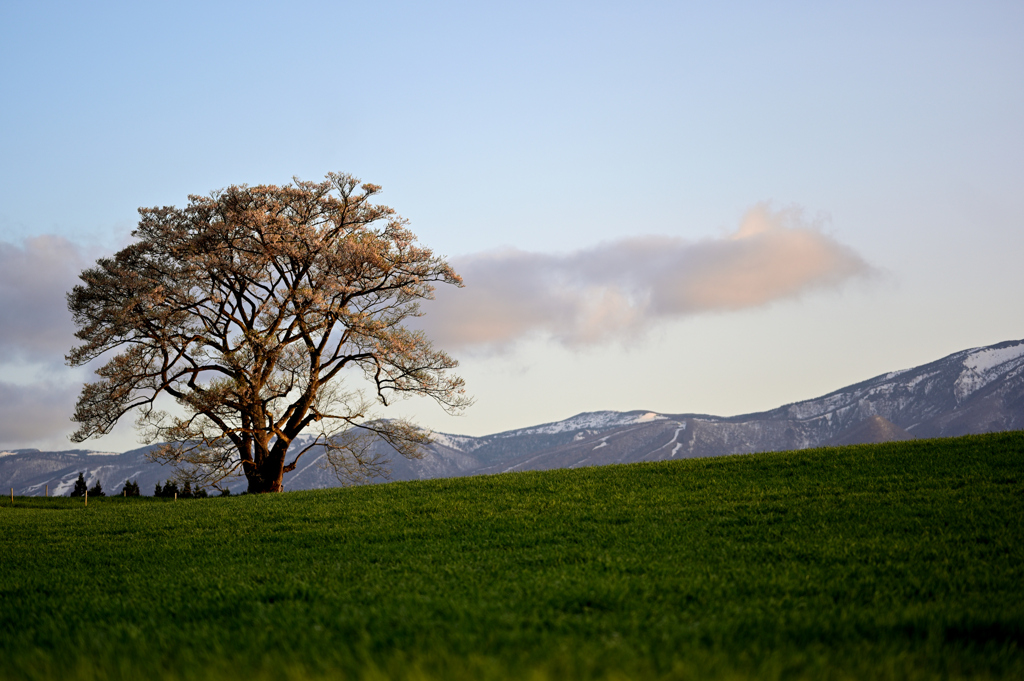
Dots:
pixel 900 560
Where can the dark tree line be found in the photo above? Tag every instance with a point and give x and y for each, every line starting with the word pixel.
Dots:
pixel 81 488
pixel 170 489
pixel 131 489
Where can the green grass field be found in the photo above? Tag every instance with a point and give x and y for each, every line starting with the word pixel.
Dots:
pixel 898 561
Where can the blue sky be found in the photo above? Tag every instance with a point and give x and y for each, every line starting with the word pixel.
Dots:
pixel 549 128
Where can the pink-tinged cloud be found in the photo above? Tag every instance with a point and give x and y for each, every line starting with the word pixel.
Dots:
pixel 35 324
pixel 618 289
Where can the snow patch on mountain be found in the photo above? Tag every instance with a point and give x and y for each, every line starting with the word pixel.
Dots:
pixel 592 420
pixel 988 358
pixel 681 426
pixel 65 486
pixel 913 383
pixel 981 367
pixel 460 443
pixel 816 408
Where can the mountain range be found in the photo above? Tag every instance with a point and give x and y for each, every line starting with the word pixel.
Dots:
pixel 979 390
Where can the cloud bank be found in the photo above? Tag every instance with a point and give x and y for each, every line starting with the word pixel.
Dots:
pixel 612 291
pixel 36 331
pixel 617 290
pixel 36 415
pixel 35 324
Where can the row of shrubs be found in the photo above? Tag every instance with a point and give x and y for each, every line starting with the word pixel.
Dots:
pixel 131 489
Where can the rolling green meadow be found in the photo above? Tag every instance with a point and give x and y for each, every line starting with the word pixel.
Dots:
pixel 894 561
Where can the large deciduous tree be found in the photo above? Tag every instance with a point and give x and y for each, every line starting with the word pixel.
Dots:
pixel 249 307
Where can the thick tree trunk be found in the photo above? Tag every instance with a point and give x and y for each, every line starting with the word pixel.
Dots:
pixel 266 476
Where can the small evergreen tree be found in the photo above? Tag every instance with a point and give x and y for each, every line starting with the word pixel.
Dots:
pixel 200 493
pixel 226 492
pixel 97 489
pixel 186 491
pixel 80 487
pixel 131 489
pixel 171 489
pixel 158 491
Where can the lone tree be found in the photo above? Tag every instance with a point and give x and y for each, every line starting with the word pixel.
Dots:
pixel 249 307
pixel 80 487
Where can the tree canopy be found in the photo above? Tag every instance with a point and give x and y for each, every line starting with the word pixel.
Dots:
pixel 251 307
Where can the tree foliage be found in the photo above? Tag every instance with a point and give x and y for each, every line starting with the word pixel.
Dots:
pixel 251 308
pixel 80 487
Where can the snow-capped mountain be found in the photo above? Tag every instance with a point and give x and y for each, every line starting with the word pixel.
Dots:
pixel 973 391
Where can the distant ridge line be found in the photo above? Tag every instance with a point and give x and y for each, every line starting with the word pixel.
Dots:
pixel 978 390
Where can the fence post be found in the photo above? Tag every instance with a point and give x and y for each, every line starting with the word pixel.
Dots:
pixel 47 492
pixel 86 497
